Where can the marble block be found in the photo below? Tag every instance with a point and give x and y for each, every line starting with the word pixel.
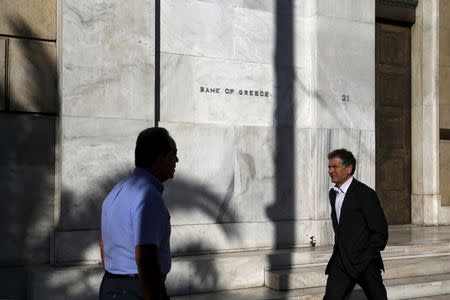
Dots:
pixel 27 186
pixel 204 181
pixel 303 8
pixel 32 64
pixel 366 158
pixel 2 74
pixel 68 283
pixel 212 91
pixel 76 246
pixel 430 154
pixel 204 238
pixel 262 37
pixel 342 68
pixel 320 181
pixel 355 10
pixel 108 59
pixel 199 28
pixel 96 154
pixel 228 174
pixel 29 18
pixel 242 31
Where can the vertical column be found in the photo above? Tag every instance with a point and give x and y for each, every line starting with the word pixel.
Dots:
pixel 425 120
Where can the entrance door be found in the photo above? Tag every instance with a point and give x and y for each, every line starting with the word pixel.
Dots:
pixel 393 121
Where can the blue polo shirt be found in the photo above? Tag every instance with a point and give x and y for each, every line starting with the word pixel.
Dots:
pixel 133 214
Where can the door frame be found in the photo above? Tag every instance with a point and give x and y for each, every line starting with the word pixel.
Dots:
pixel 403 14
pixel 426 209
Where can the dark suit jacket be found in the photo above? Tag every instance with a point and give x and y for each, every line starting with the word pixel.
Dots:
pixel 362 232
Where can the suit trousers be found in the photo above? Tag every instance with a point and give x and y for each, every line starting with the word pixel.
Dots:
pixel 123 287
pixel 340 285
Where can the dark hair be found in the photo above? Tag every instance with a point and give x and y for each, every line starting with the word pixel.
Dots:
pixel 150 143
pixel 346 157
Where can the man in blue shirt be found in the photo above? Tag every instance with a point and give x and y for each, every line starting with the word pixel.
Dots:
pixel 135 226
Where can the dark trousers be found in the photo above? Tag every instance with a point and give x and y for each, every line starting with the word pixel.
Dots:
pixel 122 288
pixel 340 285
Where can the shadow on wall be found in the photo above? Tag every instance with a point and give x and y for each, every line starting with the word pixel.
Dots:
pixel 27 156
pixel 27 186
pixel 284 121
pixel 182 196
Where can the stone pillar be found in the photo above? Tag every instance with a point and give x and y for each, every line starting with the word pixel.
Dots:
pixel 425 115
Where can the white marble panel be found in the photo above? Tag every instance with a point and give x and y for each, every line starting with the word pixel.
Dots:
pixel 345 66
pixel 320 147
pixel 258 38
pixel 225 84
pixel 200 28
pixel 305 204
pixel 431 206
pixel 444 216
pixel 215 273
pixel 108 58
pixel 204 181
pixel 366 158
pixel 68 283
pixel 177 98
pixel 430 51
pixel 300 8
pixel 351 140
pixel 430 140
pixel 417 208
pixel 210 107
pixel 255 183
pixel 77 246
pixel 417 158
pixel 248 235
pixel 355 10
pixel 96 154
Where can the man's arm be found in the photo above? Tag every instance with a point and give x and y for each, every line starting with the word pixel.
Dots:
pixel 102 254
pixel 376 221
pixel 150 278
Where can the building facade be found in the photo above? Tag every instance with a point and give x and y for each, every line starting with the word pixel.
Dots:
pixel 255 93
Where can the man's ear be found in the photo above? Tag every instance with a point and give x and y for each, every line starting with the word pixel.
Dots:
pixel 349 169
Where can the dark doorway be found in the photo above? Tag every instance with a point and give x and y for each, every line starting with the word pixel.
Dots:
pixel 393 116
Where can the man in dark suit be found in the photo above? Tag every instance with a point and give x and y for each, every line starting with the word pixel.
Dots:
pixel 360 231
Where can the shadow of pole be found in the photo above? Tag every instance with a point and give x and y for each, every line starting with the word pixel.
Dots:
pixel 282 212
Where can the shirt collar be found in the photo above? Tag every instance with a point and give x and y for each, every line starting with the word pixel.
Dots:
pixel 154 181
pixel 344 187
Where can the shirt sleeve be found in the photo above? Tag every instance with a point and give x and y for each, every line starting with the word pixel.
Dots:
pixel 147 219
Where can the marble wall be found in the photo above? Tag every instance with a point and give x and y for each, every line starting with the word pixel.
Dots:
pixel 252 93
pixel 228 179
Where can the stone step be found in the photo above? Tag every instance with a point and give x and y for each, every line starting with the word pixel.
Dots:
pixel 431 287
pixel 218 271
pixel 312 275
